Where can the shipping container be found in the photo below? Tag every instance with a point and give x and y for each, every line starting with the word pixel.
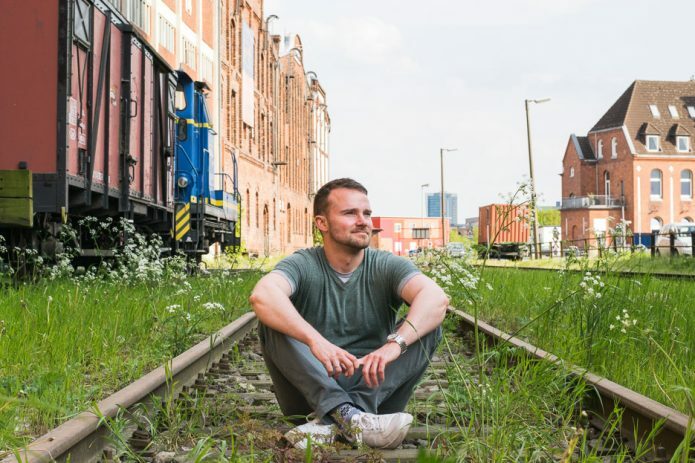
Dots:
pixel 502 223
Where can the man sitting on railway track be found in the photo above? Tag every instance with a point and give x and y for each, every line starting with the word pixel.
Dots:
pixel 329 333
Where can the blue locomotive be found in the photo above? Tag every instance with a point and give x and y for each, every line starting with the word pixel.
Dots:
pixel 204 214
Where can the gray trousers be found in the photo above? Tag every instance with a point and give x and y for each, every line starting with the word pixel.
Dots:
pixel 302 385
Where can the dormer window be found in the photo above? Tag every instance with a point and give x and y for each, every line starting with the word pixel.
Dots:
pixel 673 111
pixel 683 143
pixel 691 111
pixel 652 143
pixel 655 111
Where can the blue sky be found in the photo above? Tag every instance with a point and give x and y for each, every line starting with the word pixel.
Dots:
pixel 404 78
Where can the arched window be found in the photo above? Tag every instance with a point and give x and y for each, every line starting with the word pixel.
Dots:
pixel 614 148
pixel 248 208
pixel 571 172
pixel 688 219
pixel 655 224
pixel 686 184
pixel 599 149
pixel 607 183
pixel 655 181
pixel 231 43
pixel 257 221
pixel 274 215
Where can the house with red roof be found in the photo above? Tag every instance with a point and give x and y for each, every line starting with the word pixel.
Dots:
pixel 635 165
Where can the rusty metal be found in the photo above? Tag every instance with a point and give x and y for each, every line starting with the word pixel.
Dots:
pixel 641 414
pixel 83 438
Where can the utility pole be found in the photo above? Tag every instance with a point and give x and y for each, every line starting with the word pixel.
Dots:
pixel 534 211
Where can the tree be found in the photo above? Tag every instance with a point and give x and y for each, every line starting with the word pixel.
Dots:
pixel 548 217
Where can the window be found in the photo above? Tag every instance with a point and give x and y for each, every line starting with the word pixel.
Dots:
pixel 421 233
pixel 688 219
pixel 652 143
pixel 655 111
pixel 208 70
pixel 607 183
pixel 655 190
pixel 166 34
pixel 571 171
pixel 673 111
pixel 397 227
pixel 683 143
pixel 189 53
pixel 655 224
pixel 248 208
pixel 686 184
pixel 137 12
pixel 189 6
pixel 600 149
pixel 614 148
pixel 691 111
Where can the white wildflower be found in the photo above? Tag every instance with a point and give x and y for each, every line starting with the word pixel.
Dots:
pixel 213 306
pixel 172 308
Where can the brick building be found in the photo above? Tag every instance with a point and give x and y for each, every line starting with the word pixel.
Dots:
pixel 400 235
pixel 636 164
pixel 271 120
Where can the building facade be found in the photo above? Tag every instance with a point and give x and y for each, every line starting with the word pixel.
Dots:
pixel 401 235
pixel 434 206
pixel 271 118
pixel 634 167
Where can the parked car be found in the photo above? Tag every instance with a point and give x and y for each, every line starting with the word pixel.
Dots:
pixel 682 239
pixel 455 249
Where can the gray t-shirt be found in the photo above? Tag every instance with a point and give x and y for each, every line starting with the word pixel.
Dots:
pixel 356 315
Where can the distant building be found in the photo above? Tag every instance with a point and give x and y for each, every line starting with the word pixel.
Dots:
pixel 400 235
pixel 434 202
pixel 636 164
pixel 469 225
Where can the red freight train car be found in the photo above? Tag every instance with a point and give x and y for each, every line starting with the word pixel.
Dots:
pixel 504 228
pixel 89 111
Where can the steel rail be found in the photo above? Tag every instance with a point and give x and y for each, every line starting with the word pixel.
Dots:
pixel 641 414
pixel 621 274
pixel 84 438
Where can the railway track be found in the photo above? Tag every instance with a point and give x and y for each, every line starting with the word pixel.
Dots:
pixel 624 274
pixel 222 384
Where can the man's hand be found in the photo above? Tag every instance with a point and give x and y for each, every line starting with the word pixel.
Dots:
pixel 374 364
pixel 337 361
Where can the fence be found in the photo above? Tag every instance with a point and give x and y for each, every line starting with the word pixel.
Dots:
pixel 663 244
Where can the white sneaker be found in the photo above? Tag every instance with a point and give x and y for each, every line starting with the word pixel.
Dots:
pixel 314 430
pixel 381 431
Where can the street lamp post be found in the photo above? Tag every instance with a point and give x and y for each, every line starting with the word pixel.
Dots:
pixel 441 164
pixel 534 211
pixel 422 202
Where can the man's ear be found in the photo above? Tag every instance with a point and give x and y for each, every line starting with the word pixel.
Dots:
pixel 321 223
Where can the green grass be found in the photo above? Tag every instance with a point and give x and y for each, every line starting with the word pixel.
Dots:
pixel 636 331
pixel 66 344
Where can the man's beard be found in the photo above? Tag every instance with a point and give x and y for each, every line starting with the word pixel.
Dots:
pixel 352 242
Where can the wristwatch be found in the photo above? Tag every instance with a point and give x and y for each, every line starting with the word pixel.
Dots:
pixel 398 339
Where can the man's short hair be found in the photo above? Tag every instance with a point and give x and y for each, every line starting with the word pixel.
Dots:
pixel 321 198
